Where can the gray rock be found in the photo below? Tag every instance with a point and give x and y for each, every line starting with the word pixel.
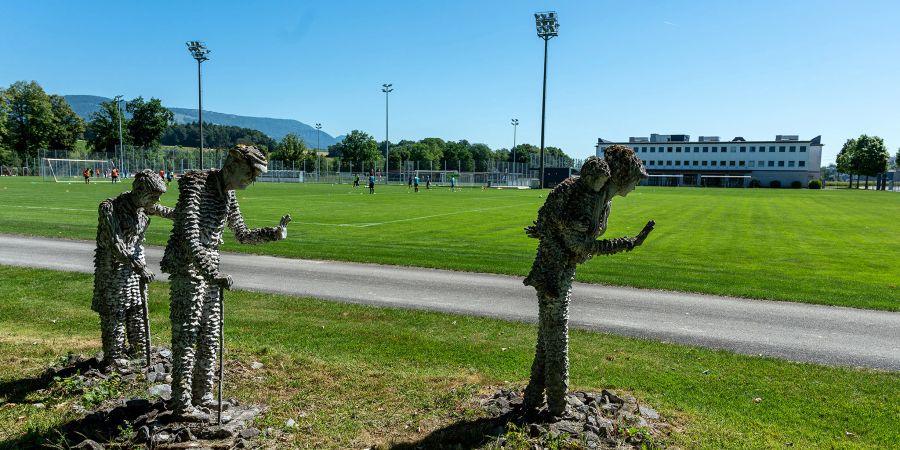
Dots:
pixel 39 405
pixel 88 444
pixel 163 391
pixel 159 368
pixel 256 365
pixel 184 435
pixel 162 437
pixel 290 423
pixel 250 433
pixel 165 353
pixel 648 412
pixel 150 377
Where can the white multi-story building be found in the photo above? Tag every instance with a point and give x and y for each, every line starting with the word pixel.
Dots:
pixel 676 160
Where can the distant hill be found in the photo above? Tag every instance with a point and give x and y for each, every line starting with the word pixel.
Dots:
pixel 85 105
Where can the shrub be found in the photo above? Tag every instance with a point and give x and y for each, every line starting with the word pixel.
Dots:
pixel 815 184
pixel 796 184
pixel 775 184
pixel 755 183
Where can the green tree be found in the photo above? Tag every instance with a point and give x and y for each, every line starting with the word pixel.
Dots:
pixel 103 129
pixel 847 159
pixel 29 122
pixel 292 150
pixel 481 155
pixel 358 148
pixel 149 120
pixel 873 157
pixel 68 127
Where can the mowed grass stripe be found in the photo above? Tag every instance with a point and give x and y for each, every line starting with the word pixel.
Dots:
pixel 835 247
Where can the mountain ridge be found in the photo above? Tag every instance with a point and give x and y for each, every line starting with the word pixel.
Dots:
pixel 85 105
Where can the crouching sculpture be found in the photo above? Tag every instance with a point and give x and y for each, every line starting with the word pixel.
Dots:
pixel 120 271
pixel 568 225
pixel 206 203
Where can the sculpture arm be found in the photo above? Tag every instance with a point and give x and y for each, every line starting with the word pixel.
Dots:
pixel 611 246
pixel 246 235
pixel 110 226
pixel 161 211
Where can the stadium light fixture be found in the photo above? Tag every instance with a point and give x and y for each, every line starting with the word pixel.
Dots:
pixel 386 88
pixel 515 124
pixel 199 51
pixel 547 28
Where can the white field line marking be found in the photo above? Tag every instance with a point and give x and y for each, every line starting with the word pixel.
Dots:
pixel 47 207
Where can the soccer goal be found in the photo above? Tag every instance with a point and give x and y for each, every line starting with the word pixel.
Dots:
pixel 665 180
pixel 63 170
pixel 729 181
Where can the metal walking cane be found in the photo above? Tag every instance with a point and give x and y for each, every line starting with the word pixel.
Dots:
pixel 145 296
pixel 221 348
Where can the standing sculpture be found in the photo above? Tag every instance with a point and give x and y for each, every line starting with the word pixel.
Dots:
pixel 206 203
pixel 121 275
pixel 568 225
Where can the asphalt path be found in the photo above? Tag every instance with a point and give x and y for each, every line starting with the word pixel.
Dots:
pixel 793 331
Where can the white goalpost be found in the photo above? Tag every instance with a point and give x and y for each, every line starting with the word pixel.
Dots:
pixel 64 170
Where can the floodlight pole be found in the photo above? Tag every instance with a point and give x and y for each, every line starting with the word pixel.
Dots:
pixel 515 124
pixel 386 88
pixel 547 28
pixel 118 100
pixel 199 51
pixel 319 133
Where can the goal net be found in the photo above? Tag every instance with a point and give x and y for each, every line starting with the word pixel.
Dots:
pixel 729 181
pixel 62 170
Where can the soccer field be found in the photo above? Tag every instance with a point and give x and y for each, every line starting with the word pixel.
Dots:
pixel 836 247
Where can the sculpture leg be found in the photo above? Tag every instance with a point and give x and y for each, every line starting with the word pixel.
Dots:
pixel 136 332
pixel 534 392
pixel 187 293
pixel 207 347
pixel 557 354
pixel 112 332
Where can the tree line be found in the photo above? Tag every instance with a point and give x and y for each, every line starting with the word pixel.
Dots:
pixel 31 120
pixel 864 156
pixel 215 136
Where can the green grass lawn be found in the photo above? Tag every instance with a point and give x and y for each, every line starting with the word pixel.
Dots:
pixel 353 376
pixel 836 247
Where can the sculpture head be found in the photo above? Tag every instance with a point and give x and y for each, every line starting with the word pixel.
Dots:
pixel 626 169
pixel 594 173
pixel 147 188
pixel 242 165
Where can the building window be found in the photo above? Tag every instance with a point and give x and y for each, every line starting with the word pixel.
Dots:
pixel 762 164
pixel 703 164
pixel 705 149
pixel 802 148
pixel 781 148
pixel 752 148
pixel 752 164
pixel 771 163
pixel 713 163
pixel 696 149
pixel 793 148
pixel 780 163
pixel 668 163
pixel 742 164
pixel 771 149
pixel 669 150
pixel 652 149
pixel 790 164
pixel 722 163
pixel 697 163
pixel 677 149
pixel 743 149
pixel 715 149
pixel 802 163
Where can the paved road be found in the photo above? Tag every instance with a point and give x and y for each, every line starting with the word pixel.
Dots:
pixel 799 332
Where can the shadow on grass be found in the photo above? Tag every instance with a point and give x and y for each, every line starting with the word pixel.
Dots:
pixel 16 391
pixel 99 426
pixel 465 434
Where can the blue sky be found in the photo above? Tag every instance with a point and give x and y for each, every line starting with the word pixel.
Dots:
pixel 463 69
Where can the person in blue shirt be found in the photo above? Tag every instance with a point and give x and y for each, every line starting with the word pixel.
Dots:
pixel 416 183
pixel 372 183
pixel 452 184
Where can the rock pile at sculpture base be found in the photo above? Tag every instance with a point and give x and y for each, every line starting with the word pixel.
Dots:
pixel 593 420
pixel 145 421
